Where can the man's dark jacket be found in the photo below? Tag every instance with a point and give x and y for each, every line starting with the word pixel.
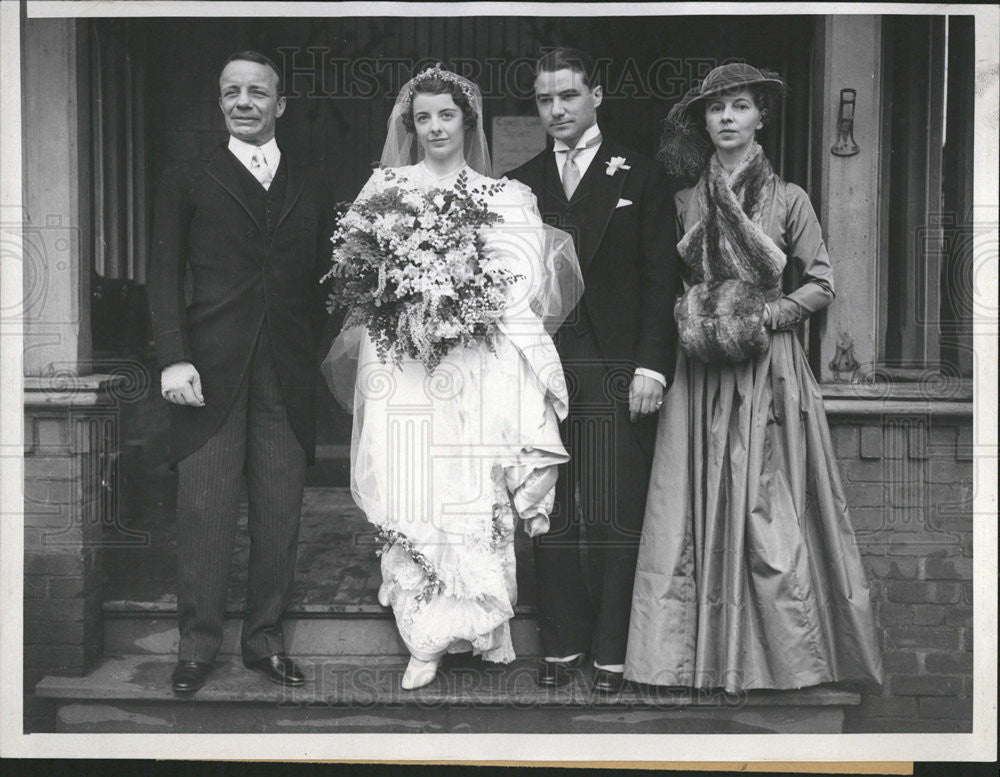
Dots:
pixel 623 226
pixel 219 273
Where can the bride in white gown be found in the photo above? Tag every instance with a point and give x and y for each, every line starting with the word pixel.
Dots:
pixel 446 464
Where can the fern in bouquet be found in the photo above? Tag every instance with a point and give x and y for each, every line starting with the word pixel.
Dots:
pixel 412 267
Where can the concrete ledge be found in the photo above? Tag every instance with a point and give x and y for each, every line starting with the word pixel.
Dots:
pixel 945 389
pixel 362 693
pixel 71 390
pixel 949 398
pixel 886 408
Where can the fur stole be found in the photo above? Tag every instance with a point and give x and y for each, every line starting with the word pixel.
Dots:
pixel 732 263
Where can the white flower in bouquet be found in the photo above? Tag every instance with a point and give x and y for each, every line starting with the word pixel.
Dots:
pixel 414 271
pixel 447 329
pixel 413 199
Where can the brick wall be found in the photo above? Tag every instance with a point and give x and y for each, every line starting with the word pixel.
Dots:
pixel 909 485
pixel 908 480
pixel 64 512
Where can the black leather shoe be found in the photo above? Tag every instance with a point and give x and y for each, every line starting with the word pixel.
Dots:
pixel 608 682
pixel 189 676
pixel 555 674
pixel 278 668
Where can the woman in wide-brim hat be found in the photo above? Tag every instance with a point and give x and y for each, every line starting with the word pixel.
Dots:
pixel 748 575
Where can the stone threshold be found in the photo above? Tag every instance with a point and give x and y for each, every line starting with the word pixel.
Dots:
pixel 363 681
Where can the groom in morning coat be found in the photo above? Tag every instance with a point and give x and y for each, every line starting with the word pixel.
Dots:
pixel 617 350
pixel 239 242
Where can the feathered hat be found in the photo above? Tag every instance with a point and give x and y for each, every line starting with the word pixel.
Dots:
pixel 684 144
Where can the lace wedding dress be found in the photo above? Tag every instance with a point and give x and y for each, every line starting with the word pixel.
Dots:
pixel 444 464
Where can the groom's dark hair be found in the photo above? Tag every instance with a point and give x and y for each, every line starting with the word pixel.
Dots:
pixel 577 60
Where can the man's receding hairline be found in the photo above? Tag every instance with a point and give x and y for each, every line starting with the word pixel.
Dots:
pixel 264 65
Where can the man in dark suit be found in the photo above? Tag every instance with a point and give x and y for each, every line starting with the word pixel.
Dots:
pixel 243 230
pixel 617 351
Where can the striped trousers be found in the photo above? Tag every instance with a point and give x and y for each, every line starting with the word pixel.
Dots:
pixel 255 438
pixel 585 564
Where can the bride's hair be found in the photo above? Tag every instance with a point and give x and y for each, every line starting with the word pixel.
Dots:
pixel 401 147
pixel 436 85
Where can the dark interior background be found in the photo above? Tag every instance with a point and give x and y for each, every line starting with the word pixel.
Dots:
pixel 342 75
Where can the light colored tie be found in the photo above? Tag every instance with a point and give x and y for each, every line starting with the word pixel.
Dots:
pixel 260 170
pixel 570 171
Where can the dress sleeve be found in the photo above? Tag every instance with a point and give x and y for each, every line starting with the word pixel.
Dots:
pixel 371 185
pixel 806 247
pixel 517 237
pixel 550 281
pixel 550 285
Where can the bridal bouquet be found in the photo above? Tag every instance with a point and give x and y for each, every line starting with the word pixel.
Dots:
pixel 411 266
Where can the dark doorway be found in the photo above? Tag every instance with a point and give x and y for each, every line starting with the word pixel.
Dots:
pixel 342 75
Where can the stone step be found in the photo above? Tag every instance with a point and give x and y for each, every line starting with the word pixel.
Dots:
pixel 332 467
pixel 361 694
pixel 363 630
pixel 337 565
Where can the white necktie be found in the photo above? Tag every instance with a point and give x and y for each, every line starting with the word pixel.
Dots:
pixel 570 172
pixel 260 170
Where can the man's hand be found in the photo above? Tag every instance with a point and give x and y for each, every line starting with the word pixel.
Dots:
pixel 180 383
pixel 645 396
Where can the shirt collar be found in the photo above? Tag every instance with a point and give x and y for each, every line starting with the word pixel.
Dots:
pixel 244 151
pixel 592 132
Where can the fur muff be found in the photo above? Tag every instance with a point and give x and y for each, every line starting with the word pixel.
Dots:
pixel 722 322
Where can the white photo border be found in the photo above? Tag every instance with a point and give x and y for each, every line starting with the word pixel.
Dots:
pixel 442 748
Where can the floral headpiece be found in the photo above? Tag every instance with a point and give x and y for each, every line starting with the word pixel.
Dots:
pixel 439 73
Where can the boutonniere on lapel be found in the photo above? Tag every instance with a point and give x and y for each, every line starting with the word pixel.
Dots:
pixel 617 163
